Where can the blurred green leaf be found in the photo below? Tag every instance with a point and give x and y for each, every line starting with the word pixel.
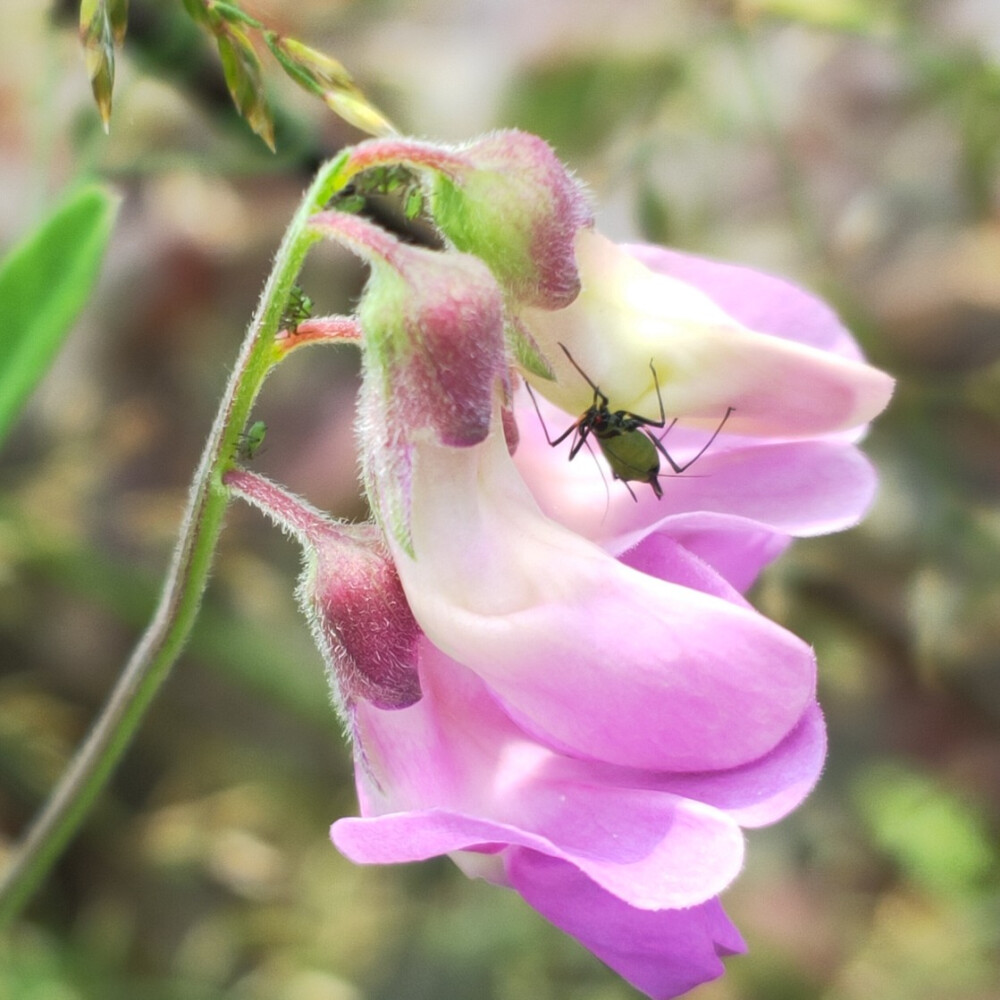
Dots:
pixel 935 838
pixel 198 12
pixel 32 967
pixel 327 78
pixel 243 77
pixel 653 212
pixel 44 283
pixel 840 15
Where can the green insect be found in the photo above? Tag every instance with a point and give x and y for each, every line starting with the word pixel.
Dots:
pixel 631 449
pixel 299 309
pixel 251 440
pixel 397 181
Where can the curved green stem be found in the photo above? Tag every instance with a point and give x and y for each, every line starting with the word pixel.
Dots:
pixel 186 579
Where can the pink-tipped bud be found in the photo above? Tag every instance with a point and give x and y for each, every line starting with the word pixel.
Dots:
pixel 433 335
pixel 519 209
pixel 432 327
pixel 360 618
pixel 351 595
pixel 507 199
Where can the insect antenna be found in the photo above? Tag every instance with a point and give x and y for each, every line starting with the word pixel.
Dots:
pixel 598 395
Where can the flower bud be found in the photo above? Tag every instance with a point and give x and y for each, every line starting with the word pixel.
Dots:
pixel 433 336
pixel 350 593
pixel 360 619
pixel 519 210
pixel 505 198
pixel 432 326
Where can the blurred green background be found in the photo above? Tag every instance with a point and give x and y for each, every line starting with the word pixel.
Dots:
pixel 850 144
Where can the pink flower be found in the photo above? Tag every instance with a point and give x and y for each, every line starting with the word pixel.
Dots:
pixel 627 861
pixel 601 710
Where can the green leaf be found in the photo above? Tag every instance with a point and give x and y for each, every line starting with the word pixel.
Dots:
pixel 327 78
pixel 243 77
pixel 44 283
pixel 937 840
pixel 578 102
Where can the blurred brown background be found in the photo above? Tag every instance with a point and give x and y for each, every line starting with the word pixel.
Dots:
pixel 851 145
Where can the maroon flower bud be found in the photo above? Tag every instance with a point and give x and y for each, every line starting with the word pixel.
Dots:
pixel 350 593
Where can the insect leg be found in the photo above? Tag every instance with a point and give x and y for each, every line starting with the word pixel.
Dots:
pixel 687 465
pixel 583 428
pixel 562 437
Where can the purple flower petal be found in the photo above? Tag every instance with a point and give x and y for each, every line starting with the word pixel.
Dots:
pixel 758 300
pixel 664 953
pixel 694 862
pixel 631 323
pixel 736 550
pixel 453 773
pixel 767 789
pixel 589 655
pixel 799 488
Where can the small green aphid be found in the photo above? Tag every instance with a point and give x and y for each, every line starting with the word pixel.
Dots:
pixel 251 440
pixel 349 200
pixel 631 449
pixel 413 204
pixel 298 310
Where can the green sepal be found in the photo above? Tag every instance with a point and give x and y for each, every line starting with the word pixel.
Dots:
pixel 527 353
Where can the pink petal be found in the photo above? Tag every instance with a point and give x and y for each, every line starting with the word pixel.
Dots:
pixel 767 789
pixel 757 300
pixel 590 655
pixel 664 953
pixel 698 853
pixel 661 555
pixel 668 678
pixel 800 488
pixel 736 550
pixel 453 773
pixel 628 317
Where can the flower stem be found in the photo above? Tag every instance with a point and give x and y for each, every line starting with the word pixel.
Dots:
pixel 164 638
